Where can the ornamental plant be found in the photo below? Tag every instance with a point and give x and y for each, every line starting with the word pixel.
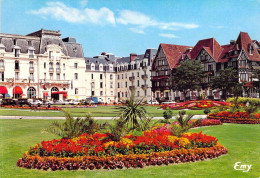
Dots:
pixel 167 114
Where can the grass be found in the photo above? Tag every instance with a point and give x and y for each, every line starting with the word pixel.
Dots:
pixel 242 142
pixel 100 111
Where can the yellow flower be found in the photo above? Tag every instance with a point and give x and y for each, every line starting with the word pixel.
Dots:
pixel 172 138
pixel 184 141
pixel 111 143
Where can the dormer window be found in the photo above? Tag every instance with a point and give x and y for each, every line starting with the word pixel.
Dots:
pixel 29 43
pixel 16 52
pixel 14 41
pixel 251 50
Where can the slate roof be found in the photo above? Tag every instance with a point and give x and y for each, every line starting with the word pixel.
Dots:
pixel 39 40
pixel 174 53
pixel 127 59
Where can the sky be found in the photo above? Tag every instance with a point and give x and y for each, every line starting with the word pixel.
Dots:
pixel 122 27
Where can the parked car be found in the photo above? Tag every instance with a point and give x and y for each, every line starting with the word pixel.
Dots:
pixel 60 102
pixel 168 102
pixel 35 102
pixel 47 102
pixel 74 102
pixel 153 102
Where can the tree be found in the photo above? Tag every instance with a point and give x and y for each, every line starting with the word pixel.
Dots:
pixel 187 77
pixel 133 112
pixel 226 80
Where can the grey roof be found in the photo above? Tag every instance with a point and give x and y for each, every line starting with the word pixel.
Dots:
pixel 89 60
pixel 39 40
pixel 127 59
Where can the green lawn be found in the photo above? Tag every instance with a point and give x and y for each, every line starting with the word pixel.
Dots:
pixel 100 111
pixel 242 141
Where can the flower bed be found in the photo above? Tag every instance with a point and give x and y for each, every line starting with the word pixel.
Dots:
pixel 33 107
pixel 153 147
pixel 194 105
pixel 238 117
pixel 78 106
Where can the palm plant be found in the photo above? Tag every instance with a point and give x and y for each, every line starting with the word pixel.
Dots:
pixel 73 127
pixel 183 124
pixel 133 112
pixel 117 130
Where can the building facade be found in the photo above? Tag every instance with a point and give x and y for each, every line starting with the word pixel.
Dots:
pixel 242 54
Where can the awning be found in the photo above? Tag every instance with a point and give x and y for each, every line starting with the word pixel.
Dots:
pixel 249 84
pixel 17 90
pixel 45 94
pixel 3 90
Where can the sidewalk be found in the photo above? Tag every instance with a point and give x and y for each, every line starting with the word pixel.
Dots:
pixel 98 118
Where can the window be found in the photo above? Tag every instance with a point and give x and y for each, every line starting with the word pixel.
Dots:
pixel 2 76
pixel 138 93
pixel 50 55
pixel 122 76
pixel 31 54
pixel 76 76
pixel 44 65
pixel 31 76
pixel 118 85
pixel 101 84
pixel 101 93
pixel 2 66
pixel 125 94
pixel 101 76
pixel 138 83
pixel 29 43
pixel 111 92
pixel 137 74
pixel 75 65
pixel 93 93
pixel 145 92
pixel 76 91
pixel 125 84
pixel 51 76
pixel 92 66
pixel 44 75
pixel 111 84
pixel 16 65
pixel 16 52
pixel 31 64
pixel 31 92
pixel 111 76
pixel 126 75
pixel 58 76
pixel 57 66
pixel 64 77
pixel 118 77
pixel 51 65
pixel 64 66
pixel 16 75
pixel 209 67
pixel 92 76
pixel 122 94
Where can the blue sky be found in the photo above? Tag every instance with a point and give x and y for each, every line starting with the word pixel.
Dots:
pixel 131 26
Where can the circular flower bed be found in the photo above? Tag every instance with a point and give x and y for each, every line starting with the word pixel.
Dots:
pixel 154 147
pixel 237 117
pixel 200 104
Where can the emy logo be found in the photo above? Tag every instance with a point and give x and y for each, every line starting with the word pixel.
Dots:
pixel 242 167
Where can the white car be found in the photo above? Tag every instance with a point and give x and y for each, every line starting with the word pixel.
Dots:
pixel 74 102
pixel 153 102
pixel 168 102
pixel 36 102
pixel 48 102
pixel 60 102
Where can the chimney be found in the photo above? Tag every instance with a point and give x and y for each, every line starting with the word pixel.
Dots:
pixel 132 56
pixel 232 42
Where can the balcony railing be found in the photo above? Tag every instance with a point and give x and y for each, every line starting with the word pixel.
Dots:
pixel 58 69
pixel 144 86
pixel 131 87
pixel 51 69
pixel 31 69
pixel 131 78
pixel 17 68
pixel 145 76
pixel 54 81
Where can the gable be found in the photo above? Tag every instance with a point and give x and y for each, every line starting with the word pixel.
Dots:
pixel 205 56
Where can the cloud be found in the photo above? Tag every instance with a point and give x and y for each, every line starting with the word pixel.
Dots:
pixel 137 22
pixel 60 11
pixel 168 35
pixel 83 3
pixel 142 21
pixel 137 30
pixel 217 26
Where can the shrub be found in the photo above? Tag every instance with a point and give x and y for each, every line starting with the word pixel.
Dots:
pixel 207 111
pixel 167 114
